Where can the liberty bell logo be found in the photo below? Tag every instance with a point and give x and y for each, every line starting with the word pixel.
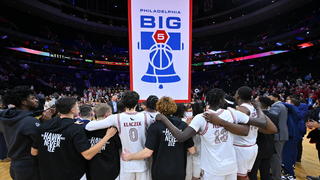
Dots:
pixel 160 45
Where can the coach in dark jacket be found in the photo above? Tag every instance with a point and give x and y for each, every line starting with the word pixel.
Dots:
pixel 266 146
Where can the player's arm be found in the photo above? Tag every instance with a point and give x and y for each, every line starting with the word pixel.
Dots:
pixel 92 151
pixel 181 136
pixel 143 154
pixel 261 120
pixel 270 127
pixel 244 110
pixel 102 124
pixel 238 129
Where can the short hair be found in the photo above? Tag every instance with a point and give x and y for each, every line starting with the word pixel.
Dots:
pixel 16 95
pixel 120 107
pixel 151 102
pixel 101 109
pixel 130 99
pixel 197 108
pixel 265 101
pixel 295 101
pixel 181 109
pixel 65 104
pixel 85 110
pixel 214 96
pixel 166 106
pixel 245 93
pixel 276 95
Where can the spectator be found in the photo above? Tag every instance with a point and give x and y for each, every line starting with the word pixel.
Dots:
pixel 114 104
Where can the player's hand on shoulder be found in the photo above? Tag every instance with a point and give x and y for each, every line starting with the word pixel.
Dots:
pixel 111 131
pixel 212 117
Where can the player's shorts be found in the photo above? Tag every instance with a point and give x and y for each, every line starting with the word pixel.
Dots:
pixel 196 170
pixel 246 156
pixel 193 167
pixel 189 167
pixel 134 176
pixel 208 176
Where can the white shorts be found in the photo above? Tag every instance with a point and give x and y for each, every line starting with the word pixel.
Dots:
pixel 246 157
pixel 189 167
pixel 134 176
pixel 208 176
pixel 196 170
pixel 193 167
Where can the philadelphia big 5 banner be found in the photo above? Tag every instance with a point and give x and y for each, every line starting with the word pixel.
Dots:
pixel 160 36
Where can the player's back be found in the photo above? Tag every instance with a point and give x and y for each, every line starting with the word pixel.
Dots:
pixel 132 132
pixel 151 117
pixel 217 152
pixel 253 132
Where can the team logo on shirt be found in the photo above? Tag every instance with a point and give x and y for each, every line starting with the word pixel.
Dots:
pixel 94 140
pixel 52 140
pixel 169 138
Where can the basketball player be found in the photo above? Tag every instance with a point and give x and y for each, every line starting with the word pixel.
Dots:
pixel 151 107
pixel 245 146
pixel 107 161
pixel 169 156
pixel 132 127
pixel 218 158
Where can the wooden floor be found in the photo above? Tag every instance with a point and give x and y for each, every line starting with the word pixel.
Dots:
pixel 309 166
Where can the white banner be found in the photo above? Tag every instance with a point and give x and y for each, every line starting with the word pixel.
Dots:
pixel 160 37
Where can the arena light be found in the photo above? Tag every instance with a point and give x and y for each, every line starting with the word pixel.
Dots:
pixel 88 60
pixel 253 56
pixel 30 51
pixel 52 55
pixel 305 45
pixel 111 63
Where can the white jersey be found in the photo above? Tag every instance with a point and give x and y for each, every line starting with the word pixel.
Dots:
pixel 217 151
pixel 251 139
pixel 132 129
pixel 151 116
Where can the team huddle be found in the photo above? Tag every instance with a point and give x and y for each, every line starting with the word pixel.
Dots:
pixel 162 142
